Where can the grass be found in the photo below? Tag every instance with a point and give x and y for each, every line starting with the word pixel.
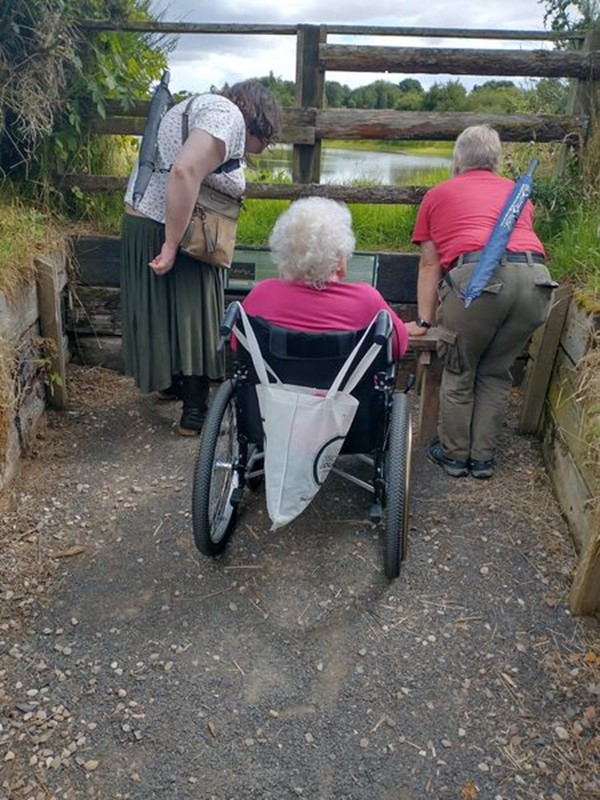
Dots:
pixel 589 396
pixel 438 149
pixel 24 234
pixel 376 227
pixel 575 253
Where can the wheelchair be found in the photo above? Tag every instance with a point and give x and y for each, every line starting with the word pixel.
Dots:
pixel 230 453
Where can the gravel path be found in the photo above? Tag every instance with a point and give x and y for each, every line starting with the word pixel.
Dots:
pixel 133 667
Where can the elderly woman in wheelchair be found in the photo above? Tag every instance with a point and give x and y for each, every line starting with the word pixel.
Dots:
pixel 313 356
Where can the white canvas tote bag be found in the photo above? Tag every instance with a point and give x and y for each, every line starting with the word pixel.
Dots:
pixel 304 428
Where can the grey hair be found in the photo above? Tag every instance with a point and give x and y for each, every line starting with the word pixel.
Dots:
pixel 477 147
pixel 310 239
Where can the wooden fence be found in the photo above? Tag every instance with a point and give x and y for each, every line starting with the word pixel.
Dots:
pixel 560 406
pixel 309 123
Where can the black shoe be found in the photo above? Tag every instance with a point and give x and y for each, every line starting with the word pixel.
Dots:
pixel 481 469
pixel 191 421
pixel 453 466
pixel 172 392
pixel 194 392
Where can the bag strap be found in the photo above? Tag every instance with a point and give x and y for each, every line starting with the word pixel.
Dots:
pixel 250 342
pixel 363 365
pixel 227 166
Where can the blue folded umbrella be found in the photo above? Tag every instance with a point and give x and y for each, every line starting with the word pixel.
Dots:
pixel 161 101
pixel 495 246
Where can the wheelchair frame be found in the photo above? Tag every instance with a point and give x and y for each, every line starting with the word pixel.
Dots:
pixel 228 460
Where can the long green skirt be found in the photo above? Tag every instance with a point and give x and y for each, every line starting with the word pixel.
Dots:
pixel 170 323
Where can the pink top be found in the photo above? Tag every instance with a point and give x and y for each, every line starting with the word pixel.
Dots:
pixel 337 307
pixel 458 216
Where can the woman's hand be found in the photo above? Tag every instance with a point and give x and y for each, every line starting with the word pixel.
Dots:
pixel 165 260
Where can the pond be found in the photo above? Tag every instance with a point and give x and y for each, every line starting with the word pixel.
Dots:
pixel 344 165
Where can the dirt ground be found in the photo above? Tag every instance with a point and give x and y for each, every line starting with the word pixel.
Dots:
pixel 131 666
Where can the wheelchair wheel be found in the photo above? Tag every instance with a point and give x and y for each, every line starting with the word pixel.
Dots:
pixel 215 492
pixel 397 480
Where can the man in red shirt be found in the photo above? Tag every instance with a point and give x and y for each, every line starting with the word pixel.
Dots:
pixel 479 344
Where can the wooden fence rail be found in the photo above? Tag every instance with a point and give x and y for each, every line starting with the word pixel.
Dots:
pixel 380 195
pixel 415 60
pixel 308 124
pixel 340 29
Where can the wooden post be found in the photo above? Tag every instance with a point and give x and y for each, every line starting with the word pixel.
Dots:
pixel 585 592
pixel 51 280
pixel 429 376
pixel 539 369
pixel 310 85
pixel 583 100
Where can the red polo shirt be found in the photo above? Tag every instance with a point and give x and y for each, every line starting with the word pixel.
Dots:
pixel 458 216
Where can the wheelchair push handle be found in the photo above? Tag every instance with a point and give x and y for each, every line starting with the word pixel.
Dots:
pixel 228 324
pixel 383 327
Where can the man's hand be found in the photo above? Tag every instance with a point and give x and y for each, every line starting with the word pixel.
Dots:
pixel 414 329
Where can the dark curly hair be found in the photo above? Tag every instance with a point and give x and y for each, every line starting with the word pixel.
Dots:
pixel 259 107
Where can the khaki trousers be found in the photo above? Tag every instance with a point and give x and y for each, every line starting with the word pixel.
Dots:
pixel 478 346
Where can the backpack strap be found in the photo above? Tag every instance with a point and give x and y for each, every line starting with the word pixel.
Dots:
pixel 228 166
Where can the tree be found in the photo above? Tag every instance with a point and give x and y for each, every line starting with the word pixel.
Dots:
pixel 386 94
pixel 496 97
pixel 284 91
pixel 409 101
pixel 411 85
pixel 502 84
pixel 363 97
pixel 548 96
pixel 451 96
pixel 336 94
pixel 570 15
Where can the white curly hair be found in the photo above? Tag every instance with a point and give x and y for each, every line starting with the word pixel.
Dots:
pixel 310 240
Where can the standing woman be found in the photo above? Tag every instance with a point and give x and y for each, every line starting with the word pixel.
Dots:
pixel 479 344
pixel 173 304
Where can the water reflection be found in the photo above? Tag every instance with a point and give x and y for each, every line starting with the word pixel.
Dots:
pixel 341 165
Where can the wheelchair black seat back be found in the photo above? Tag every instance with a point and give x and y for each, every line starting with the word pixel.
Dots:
pixel 230 457
pixel 314 359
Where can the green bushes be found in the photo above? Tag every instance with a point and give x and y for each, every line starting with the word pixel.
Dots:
pixel 51 73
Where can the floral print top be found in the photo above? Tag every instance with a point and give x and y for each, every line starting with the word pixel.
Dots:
pixel 208 112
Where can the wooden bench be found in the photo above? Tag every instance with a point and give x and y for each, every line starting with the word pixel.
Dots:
pixel 396 279
pixel 428 376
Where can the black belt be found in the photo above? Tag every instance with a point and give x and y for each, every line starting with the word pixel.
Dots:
pixel 519 258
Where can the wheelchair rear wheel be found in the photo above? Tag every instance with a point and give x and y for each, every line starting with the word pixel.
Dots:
pixel 216 486
pixel 397 488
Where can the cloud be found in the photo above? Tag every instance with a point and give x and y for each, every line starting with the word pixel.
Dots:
pixel 204 60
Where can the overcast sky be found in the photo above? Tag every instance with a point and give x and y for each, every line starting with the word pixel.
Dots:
pixel 202 60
